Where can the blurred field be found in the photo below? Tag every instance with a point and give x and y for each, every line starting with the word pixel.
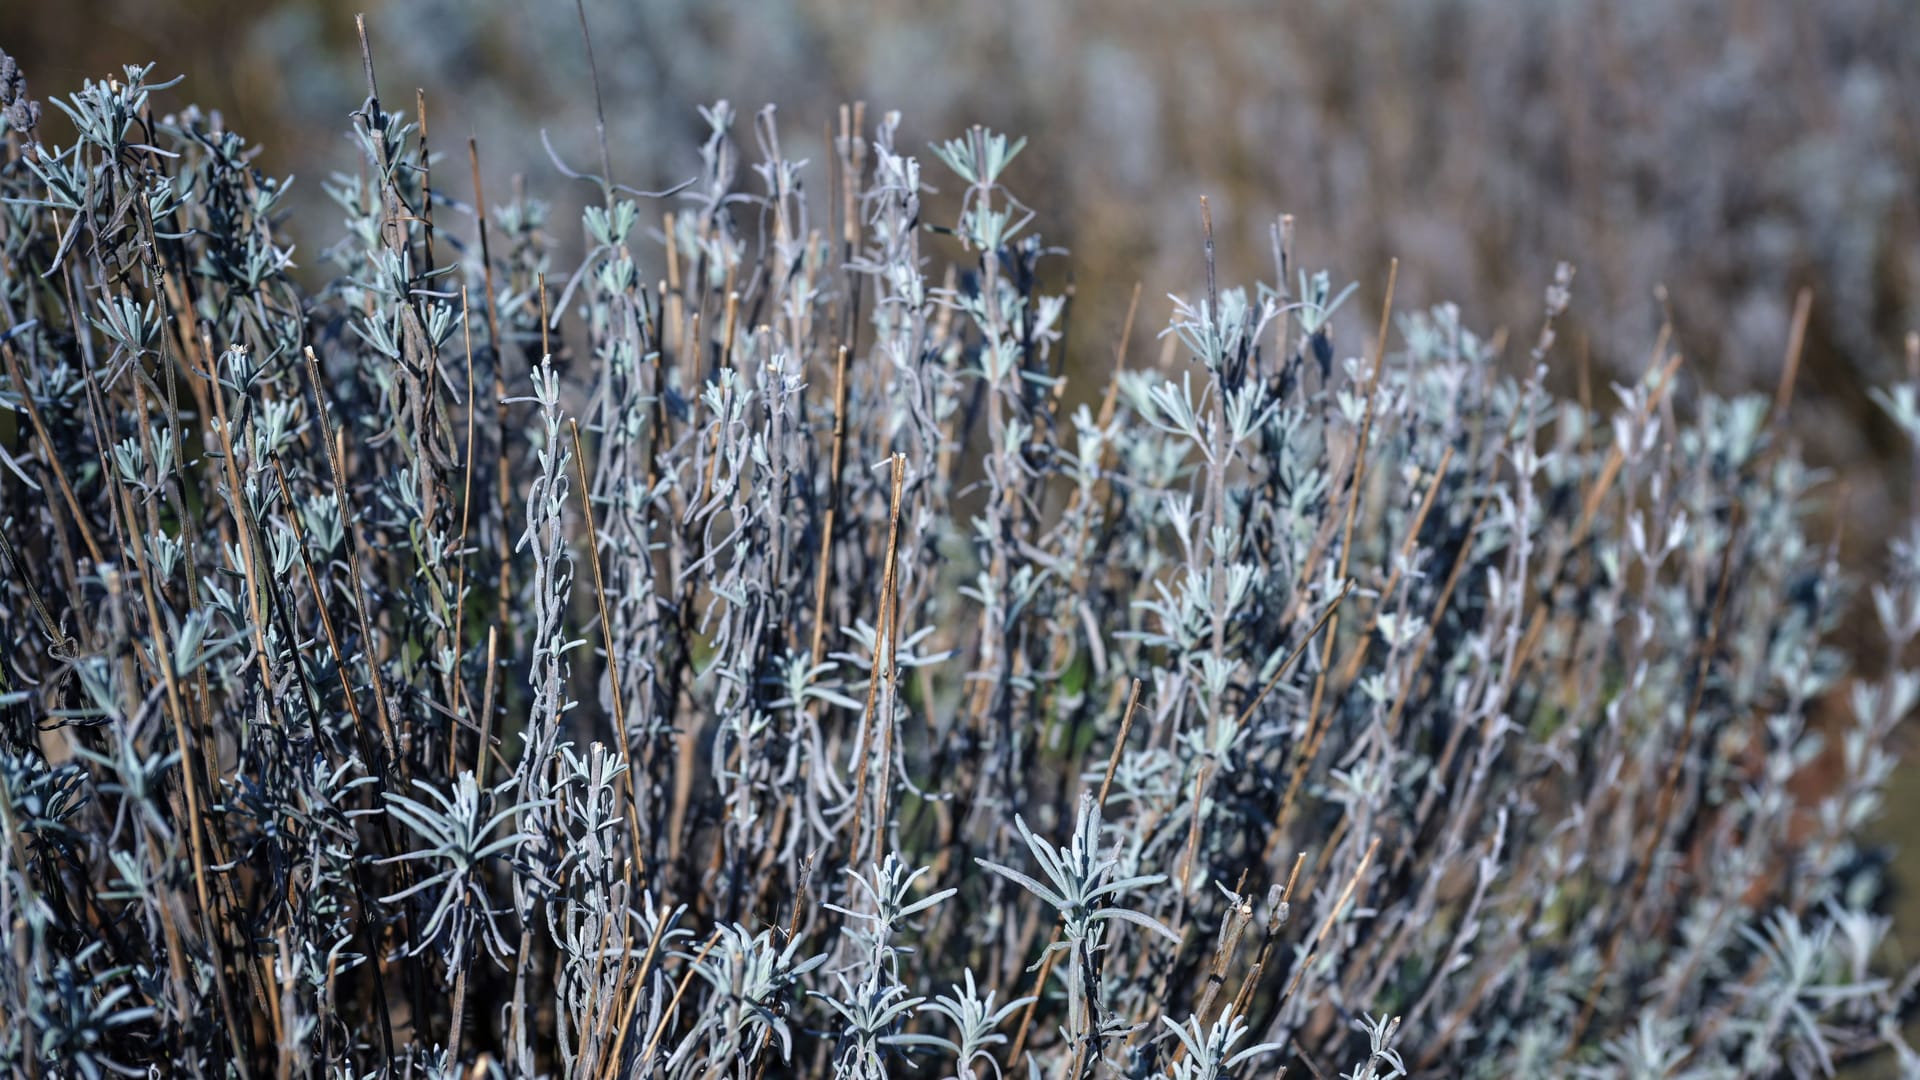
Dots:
pixel 1732 152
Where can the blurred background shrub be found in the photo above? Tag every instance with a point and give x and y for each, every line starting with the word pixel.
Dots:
pixel 1733 151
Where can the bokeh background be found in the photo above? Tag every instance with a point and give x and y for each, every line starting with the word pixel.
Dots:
pixel 1732 150
pixel 1707 158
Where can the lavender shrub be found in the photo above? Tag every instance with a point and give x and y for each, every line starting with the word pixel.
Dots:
pixel 747 653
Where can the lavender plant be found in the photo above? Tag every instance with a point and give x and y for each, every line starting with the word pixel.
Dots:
pixel 752 652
